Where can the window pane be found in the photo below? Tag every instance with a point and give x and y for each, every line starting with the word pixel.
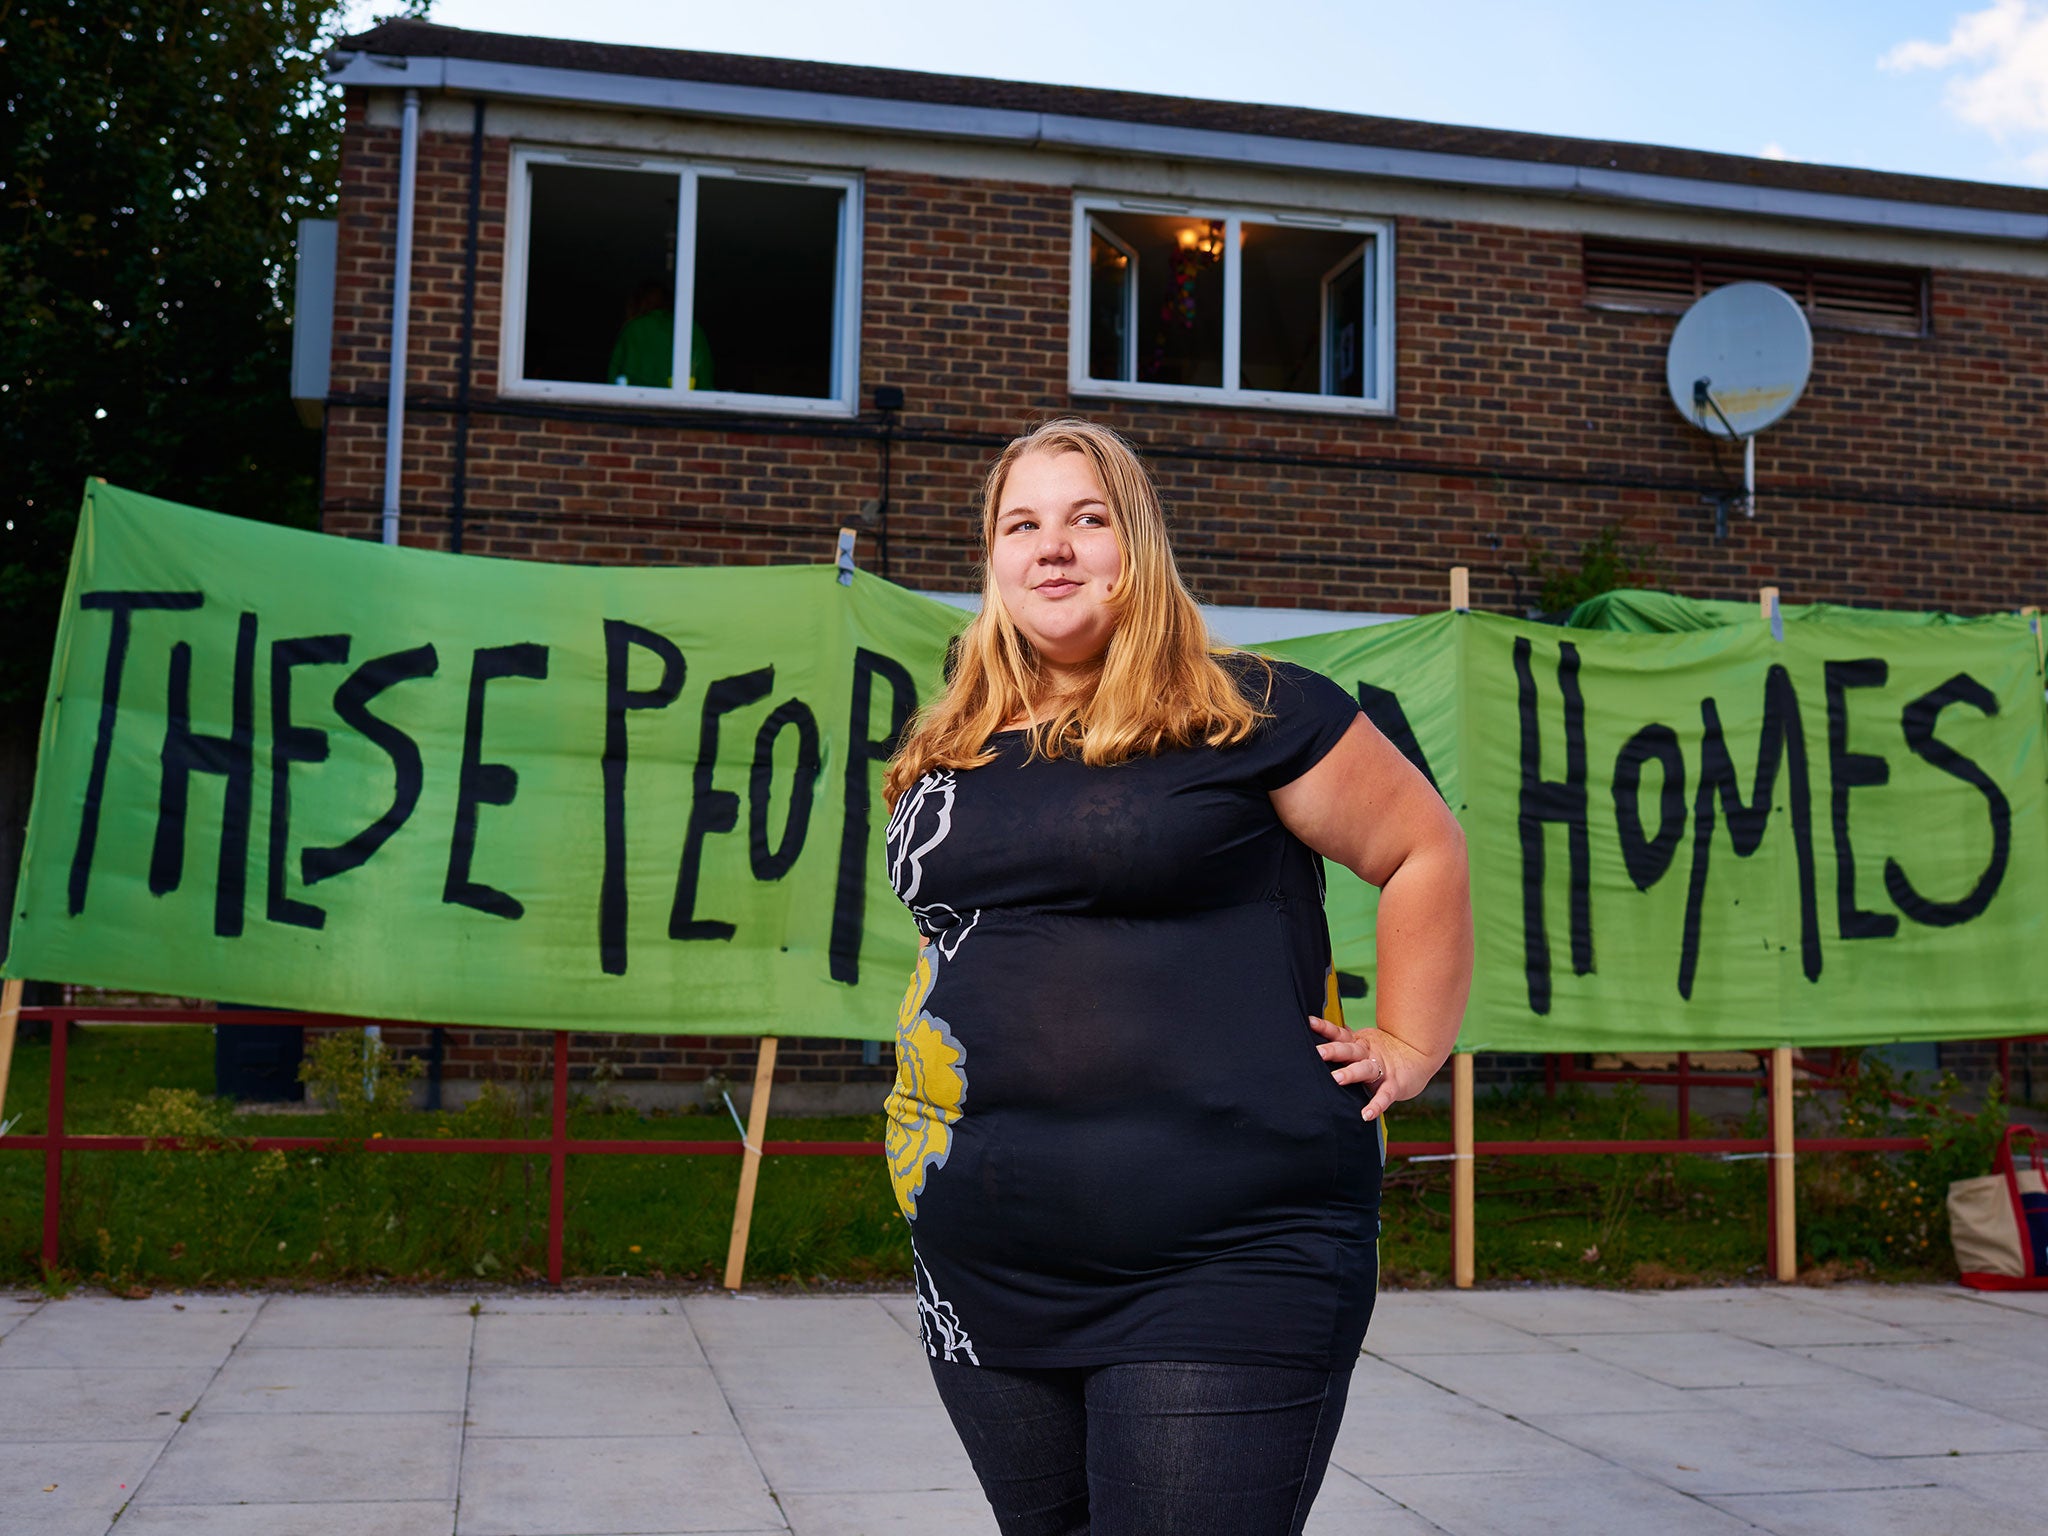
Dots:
pixel 767 282
pixel 1307 325
pixel 600 271
pixel 1179 262
pixel 1112 304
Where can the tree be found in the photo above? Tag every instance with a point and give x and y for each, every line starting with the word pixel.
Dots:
pixel 154 158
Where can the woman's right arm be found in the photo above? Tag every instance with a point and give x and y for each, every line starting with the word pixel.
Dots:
pixel 1367 807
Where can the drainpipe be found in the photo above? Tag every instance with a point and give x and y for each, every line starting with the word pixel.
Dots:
pixel 401 310
pixel 401 313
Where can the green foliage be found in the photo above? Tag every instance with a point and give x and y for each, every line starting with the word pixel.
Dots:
pixel 154 157
pixel 232 1215
pixel 1891 1208
pixel 359 1196
pixel 1605 564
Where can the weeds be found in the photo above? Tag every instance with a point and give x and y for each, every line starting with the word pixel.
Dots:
pixel 1890 1208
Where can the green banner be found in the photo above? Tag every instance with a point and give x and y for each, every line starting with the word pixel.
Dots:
pixel 292 770
pixel 1712 838
pixel 301 771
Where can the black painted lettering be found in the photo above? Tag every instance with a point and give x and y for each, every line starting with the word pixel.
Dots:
pixel 1544 801
pixel 712 810
pixel 620 638
pixel 480 783
pixel 771 861
pixel 1646 857
pixel 290 744
pixel 186 752
pixel 408 775
pixel 1846 771
pixel 863 750
pixel 123 606
pixel 1781 738
pixel 1919 720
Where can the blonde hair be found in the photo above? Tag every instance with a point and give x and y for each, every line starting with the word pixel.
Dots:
pixel 1159 682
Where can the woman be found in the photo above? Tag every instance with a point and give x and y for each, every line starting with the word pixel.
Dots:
pixel 1143 1210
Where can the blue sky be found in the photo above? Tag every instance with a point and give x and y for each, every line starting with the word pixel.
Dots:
pixel 1954 89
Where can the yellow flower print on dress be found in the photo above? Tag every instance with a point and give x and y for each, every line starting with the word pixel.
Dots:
pixel 931 1087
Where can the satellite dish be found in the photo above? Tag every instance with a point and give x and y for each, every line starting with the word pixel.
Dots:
pixel 1738 362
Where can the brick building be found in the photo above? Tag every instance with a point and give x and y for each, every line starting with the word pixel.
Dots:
pixel 661 305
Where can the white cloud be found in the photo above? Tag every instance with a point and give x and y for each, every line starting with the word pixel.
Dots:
pixel 1998 62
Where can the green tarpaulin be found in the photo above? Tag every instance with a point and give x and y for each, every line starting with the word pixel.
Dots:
pixel 301 771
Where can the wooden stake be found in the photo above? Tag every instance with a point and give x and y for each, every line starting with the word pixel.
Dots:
pixel 1463 1187
pixel 10 1015
pixel 1786 1230
pixel 750 1164
pixel 1461 589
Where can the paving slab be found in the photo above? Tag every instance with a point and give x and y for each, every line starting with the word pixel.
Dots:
pixel 882 1450
pixel 1346 1506
pixel 1546 1310
pixel 1775 1318
pixel 70 1488
pixel 1880 1512
pixel 13 1310
pixel 97 1403
pixel 423 1379
pixel 585 1338
pixel 2014 1479
pixel 2015 1336
pixel 627 1484
pixel 1564 1382
pixel 574 1402
pixel 746 1322
pixel 1710 1360
pixel 1707 1450
pixel 363 1322
pixel 896 1374
pixel 94 1330
pixel 924 1512
pixel 904 1310
pixel 432 1517
pixel 1959 1372
pixel 1906 1305
pixel 288 1458
pixel 1606 1502
pixel 1877 1420
pixel 653 1303
pixel 1446 1329
pixel 1759 1409
pixel 1395 1433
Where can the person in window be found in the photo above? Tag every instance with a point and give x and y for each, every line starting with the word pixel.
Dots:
pixel 644 353
pixel 1138 1149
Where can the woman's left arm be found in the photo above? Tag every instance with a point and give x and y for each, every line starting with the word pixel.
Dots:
pixel 1367 807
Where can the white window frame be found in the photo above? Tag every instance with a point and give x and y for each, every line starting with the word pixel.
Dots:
pixel 1087 206
pixel 845 367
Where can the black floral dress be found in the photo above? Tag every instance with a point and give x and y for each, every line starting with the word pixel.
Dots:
pixel 1110 1131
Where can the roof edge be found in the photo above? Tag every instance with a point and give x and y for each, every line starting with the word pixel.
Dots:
pixel 425 56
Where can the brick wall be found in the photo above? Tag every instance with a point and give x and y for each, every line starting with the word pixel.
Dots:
pixel 1527 423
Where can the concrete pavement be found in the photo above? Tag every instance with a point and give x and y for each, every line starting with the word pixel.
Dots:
pixel 1918 1411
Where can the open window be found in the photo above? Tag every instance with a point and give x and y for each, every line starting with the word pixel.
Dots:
pixel 1261 308
pixel 673 283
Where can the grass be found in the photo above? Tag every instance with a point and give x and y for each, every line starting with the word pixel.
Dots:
pixel 237 1216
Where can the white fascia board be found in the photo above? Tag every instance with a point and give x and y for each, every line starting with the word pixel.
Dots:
pixel 936 121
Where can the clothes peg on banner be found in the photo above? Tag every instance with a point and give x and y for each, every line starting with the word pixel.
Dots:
pixel 845 558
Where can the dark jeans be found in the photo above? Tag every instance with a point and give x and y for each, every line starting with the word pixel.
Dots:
pixel 1165 1448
